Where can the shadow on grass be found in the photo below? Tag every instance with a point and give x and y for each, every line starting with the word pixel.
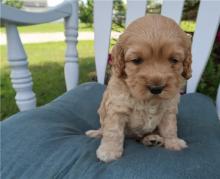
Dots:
pixel 49 83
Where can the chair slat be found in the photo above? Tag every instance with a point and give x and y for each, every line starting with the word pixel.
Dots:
pixel 135 9
pixel 102 25
pixel 172 9
pixel 206 27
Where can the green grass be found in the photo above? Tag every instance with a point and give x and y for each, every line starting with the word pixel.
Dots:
pixel 49 27
pixel 47 72
pixel 48 76
pixel 210 79
pixel 47 67
pixel 188 26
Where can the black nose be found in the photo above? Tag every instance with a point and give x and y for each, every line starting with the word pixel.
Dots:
pixel 156 89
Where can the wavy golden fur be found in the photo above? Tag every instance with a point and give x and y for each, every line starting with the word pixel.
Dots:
pixel 151 62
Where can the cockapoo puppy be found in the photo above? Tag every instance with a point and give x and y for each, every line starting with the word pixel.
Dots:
pixel 150 64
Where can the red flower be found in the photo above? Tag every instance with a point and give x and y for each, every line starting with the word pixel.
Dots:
pixel 109 59
pixel 218 37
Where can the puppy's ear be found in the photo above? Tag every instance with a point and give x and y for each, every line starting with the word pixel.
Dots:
pixel 118 63
pixel 187 71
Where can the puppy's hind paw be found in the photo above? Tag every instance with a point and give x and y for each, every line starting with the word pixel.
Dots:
pixel 175 144
pixel 153 140
pixel 94 133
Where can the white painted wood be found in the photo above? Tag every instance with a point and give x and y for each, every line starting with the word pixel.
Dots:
pixel 206 27
pixel 135 9
pixel 102 25
pixel 218 102
pixel 172 9
pixel 71 69
pixel 19 17
pixel 20 75
pixel 52 3
pixel 207 24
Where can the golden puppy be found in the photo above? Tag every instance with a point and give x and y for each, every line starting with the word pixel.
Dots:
pixel 151 62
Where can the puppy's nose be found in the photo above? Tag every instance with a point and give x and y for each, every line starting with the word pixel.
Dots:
pixel 156 89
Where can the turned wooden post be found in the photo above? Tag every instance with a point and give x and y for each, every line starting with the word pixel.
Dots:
pixel 20 75
pixel 71 69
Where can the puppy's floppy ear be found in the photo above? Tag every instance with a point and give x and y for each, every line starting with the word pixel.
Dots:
pixel 118 63
pixel 187 71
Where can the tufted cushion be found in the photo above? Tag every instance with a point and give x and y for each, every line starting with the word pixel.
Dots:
pixel 49 142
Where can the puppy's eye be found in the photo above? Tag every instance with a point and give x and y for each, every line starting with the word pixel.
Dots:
pixel 173 60
pixel 137 61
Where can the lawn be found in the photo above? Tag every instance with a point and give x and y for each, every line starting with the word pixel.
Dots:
pixel 47 68
pixel 47 72
pixel 48 27
pixel 188 26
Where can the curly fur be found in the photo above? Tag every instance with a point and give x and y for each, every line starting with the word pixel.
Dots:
pixel 128 108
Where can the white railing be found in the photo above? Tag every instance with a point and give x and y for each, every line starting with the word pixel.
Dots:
pixel 206 26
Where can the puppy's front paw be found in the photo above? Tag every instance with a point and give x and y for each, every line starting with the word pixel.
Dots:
pixel 175 144
pixel 107 153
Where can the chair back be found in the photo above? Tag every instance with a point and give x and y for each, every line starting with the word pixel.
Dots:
pixel 207 23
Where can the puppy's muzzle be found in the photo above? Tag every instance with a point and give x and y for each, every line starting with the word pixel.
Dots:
pixel 156 89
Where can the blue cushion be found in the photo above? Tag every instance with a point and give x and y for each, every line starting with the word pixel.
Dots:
pixel 49 142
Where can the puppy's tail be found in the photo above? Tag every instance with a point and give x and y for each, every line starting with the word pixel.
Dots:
pixel 94 133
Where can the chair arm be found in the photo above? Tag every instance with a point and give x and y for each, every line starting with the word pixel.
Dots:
pixel 20 75
pixel 19 17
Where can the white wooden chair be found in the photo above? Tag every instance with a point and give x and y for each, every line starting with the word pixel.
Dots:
pixel 208 16
pixel 206 27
